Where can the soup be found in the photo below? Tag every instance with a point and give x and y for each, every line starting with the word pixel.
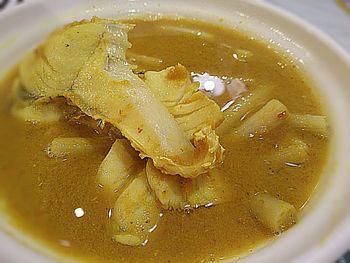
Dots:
pixel 267 165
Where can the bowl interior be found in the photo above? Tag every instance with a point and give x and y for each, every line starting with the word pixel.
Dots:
pixel 321 60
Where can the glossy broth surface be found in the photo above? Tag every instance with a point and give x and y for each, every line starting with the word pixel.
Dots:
pixel 42 194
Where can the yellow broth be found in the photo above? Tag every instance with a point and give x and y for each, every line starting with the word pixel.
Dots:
pixel 41 194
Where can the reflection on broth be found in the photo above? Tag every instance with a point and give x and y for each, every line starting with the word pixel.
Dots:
pixel 71 172
pixel 223 90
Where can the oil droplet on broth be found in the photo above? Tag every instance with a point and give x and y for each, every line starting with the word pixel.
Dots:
pixel 79 212
pixel 64 243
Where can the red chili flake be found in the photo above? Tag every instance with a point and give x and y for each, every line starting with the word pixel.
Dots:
pixel 282 115
pixel 139 130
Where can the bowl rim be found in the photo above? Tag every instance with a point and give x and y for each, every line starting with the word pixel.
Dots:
pixel 339 232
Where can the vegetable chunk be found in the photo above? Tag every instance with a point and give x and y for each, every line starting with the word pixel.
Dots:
pixel 136 213
pixel 63 147
pixel 275 214
pixel 315 124
pixel 294 154
pixel 38 113
pixel 206 190
pixel 243 106
pixel 119 166
pixel 273 114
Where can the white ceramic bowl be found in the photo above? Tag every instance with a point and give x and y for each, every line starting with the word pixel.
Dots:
pixel 324 230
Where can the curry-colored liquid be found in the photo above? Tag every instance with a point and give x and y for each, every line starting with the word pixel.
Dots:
pixel 41 194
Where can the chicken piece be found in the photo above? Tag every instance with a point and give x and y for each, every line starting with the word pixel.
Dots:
pixel 52 68
pixel 28 108
pixel 98 126
pixel 125 101
pixel 100 82
pixel 191 108
pixel 20 97
pixel 119 166
pixel 136 213
pixel 177 193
